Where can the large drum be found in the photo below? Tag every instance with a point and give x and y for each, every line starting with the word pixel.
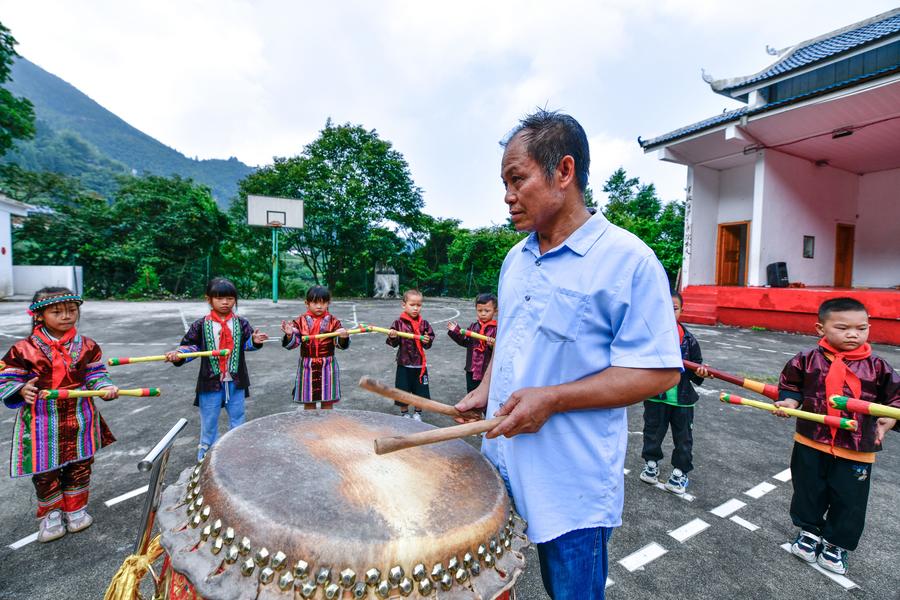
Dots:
pixel 298 505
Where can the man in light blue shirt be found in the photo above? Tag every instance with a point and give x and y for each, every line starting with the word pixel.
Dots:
pixel 585 328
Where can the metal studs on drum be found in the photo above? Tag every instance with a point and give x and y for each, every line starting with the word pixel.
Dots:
pixel 347 578
pixel 279 560
pixel 446 582
pixel 453 564
pixel 196 520
pixel 507 543
pixel 481 551
pixel 426 587
pixel 247 567
pixel 228 537
pixel 492 545
pixel 205 533
pixel 383 589
pixel 323 576
pixel 286 581
pixel 405 586
pixel 332 591
pixel 216 527
pixel 262 557
pixel 395 575
pixel 373 576
pixel 266 575
pixel 475 569
pixel 244 546
pixel 217 546
pixel 204 514
pixel 419 573
pixel 360 590
pixel 499 552
pixel 308 589
pixel 461 575
pixel 231 555
pixel 489 560
pixel 437 571
pixel 468 559
pixel 301 570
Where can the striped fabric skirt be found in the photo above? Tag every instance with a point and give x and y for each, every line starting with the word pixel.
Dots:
pixel 318 380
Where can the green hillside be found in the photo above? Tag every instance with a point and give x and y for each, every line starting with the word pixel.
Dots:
pixel 78 137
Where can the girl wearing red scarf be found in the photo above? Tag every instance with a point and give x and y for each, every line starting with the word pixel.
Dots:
pixel 318 382
pixel 412 367
pixel 54 441
pixel 478 352
pixel 222 381
pixel 831 468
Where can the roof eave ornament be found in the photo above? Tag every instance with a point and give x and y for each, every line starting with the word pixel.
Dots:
pixel 706 76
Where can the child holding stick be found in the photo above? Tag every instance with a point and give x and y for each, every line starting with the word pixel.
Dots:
pixel 675 408
pixel 412 366
pixel 318 381
pixel 222 381
pixel 478 352
pixel 831 468
pixel 54 440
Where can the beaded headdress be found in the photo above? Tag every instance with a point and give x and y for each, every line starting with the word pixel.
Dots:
pixel 47 301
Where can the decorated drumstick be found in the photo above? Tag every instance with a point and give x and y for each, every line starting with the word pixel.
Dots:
pixel 766 389
pixel 861 406
pixel 321 336
pixel 433 436
pixel 386 331
pixel 127 360
pixel 373 385
pixel 839 422
pixel 477 336
pixel 64 394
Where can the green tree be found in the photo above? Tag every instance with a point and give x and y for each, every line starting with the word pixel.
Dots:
pixel 16 114
pixel 635 206
pixel 352 184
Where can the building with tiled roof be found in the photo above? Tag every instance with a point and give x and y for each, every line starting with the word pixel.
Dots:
pixel 799 187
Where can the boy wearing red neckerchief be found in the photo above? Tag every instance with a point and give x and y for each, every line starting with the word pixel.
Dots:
pixel 830 467
pixel 412 366
pixel 478 352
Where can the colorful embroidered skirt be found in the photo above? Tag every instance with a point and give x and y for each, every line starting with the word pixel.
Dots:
pixel 53 433
pixel 318 380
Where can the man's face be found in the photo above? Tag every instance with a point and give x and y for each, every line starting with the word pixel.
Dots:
pixel 532 201
pixel 845 330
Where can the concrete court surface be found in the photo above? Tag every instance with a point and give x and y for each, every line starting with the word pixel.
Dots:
pixel 668 547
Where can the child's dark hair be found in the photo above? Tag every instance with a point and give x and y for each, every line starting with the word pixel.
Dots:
pixel 219 287
pixel 46 292
pixel 485 299
pixel 412 292
pixel 839 305
pixel 318 293
pixel 677 294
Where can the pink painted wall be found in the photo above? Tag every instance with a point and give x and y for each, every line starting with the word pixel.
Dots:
pixel 877 254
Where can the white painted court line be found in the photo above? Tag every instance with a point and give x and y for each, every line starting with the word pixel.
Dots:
pixel 626 471
pixel 609 582
pixel 838 579
pixel 789 353
pixel 784 476
pixel 24 541
pixel 688 530
pixel 355 318
pixel 758 491
pixel 127 496
pixel 685 496
pixel 457 313
pixel 647 554
pixel 768 350
pixel 183 320
pixel 744 523
pixel 137 410
pixel 723 510
pixel 722 344
pixel 744 347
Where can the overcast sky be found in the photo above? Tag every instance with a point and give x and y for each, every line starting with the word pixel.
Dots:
pixel 443 81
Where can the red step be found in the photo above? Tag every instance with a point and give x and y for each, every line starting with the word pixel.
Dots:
pixel 700 305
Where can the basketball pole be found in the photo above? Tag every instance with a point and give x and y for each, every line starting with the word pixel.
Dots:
pixel 275 265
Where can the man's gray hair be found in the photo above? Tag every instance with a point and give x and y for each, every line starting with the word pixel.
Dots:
pixel 548 137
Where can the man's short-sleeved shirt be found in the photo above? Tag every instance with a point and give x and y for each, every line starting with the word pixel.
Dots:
pixel 597 300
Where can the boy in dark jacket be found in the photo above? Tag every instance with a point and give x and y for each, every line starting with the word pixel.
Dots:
pixel 673 407
pixel 831 468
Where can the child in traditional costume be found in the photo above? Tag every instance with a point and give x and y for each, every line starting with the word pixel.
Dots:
pixel 54 440
pixel 674 408
pixel 830 467
pixel 223 381
pixel 478 352
pixel 318 382
pixel 412 367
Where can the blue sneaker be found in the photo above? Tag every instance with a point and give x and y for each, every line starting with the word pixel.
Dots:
pixel 678 482
pixel 806 546
pixel 650 474
pixel 833 558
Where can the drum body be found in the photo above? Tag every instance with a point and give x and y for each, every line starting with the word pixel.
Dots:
pixel 298 505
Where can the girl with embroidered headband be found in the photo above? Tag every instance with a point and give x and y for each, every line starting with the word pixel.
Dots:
pixel 222 381
pixel 54 440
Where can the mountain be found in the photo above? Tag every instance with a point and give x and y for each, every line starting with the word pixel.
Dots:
pixel 78 137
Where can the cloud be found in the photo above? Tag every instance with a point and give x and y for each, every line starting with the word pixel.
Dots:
pixel 608 153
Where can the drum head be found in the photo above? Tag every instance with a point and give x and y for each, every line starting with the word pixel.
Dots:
pixel 299 503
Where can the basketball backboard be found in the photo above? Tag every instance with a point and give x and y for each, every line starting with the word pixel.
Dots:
pixel 266 211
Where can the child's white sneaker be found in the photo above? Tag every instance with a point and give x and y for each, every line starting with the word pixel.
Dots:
pixel 806 546
pixel 833 558
pixel 678 482
pixel 78 520
pixel 405 414
pixel 417 416
pixel 51 527
pixel 650 473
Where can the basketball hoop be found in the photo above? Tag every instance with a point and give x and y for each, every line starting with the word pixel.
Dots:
pixel 277 224
pixel 276 214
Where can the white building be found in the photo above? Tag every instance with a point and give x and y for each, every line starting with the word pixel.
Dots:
pixel 8 209
pixel 807 173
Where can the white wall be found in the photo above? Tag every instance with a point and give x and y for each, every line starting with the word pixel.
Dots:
pixel 736 194
pixel 799 198
pixel 30 278
pixel 6 269
pixel 699 266
pixel 876 257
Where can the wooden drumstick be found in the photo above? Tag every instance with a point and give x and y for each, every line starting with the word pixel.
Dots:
pixel 433 436
pixel 373 385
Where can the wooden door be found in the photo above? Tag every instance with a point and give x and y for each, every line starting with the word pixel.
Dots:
pixel 731 255
pixel 843 255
